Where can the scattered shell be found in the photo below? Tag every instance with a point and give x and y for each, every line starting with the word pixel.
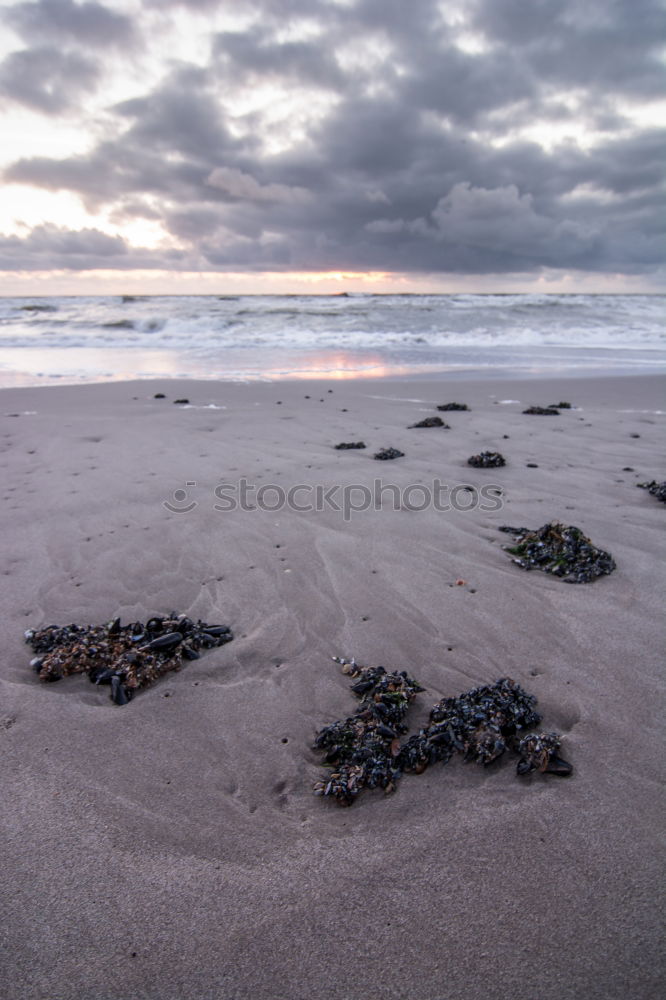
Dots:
pixel 560 550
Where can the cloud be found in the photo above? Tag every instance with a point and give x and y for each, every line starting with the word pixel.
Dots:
pixel 256 54
pixel 50 247
pixel 368 135
pixel 244 187
pixel 90 24
pixel 46 80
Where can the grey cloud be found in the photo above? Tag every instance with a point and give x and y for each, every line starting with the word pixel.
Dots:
pixel 245 187
pixel 399 173
pixel 49 246
pixel 46 247
pixel 90 24
pixel 254 53
pixel 52 239
pixel 45 79
pixel 598 45
pixel 181 116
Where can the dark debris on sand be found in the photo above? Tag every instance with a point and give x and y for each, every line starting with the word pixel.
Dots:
pixel 487 460
pixel 482 724
pixel 127 657
pixel 542 411
pixel 561 550
pixel 346 445
pixel 559 406
pixel 445 407
pixel 387 454
pixel 430 422
pixel 655 489
pixel 364 751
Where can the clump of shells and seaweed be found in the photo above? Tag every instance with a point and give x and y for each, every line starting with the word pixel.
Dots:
pixel 127 657
pixel 364 750
pixel 655 489
pixel 487 460
pixel 562 550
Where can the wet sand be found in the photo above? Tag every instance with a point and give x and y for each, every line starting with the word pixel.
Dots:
pixel 173 847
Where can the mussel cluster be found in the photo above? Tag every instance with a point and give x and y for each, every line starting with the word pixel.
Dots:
pixel 481 724
pixel 444 407
pixel 542 411
pixel 561 550
pixel 386 454
pixel 655 489
pixel 346 445
pixel 538 752
pixel 487 460
pixel 431 422
pixel 363 749
pixel 127 657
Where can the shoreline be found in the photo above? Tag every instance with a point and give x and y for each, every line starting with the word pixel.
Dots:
pixel 473 373
pixel 177 384
pixel 173 847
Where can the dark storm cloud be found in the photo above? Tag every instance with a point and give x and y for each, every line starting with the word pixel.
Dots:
pixel 90 24
pixel 168 145
pixel 181 116
pixel 412 164
pixel 46 79
pixel 595 44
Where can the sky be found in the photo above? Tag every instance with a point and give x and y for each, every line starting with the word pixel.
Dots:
pixel 319 145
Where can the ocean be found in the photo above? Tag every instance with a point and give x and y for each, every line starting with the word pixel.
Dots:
pixel 69 339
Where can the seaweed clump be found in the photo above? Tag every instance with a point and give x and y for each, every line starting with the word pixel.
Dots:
pixel 561 550
pixel 431 422
pixel 365 751
pixel 655 489
pixel 347 445
pixel 542 411
pixel 487 460
pixel 445 407
pixel 387 454
pixel 482 724
pixel 128 657
pixel 363 748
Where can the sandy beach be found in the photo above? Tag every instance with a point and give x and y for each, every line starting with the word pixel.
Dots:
pixel 173 847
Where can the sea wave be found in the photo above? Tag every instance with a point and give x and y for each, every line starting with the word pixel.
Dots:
pixel 410 330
